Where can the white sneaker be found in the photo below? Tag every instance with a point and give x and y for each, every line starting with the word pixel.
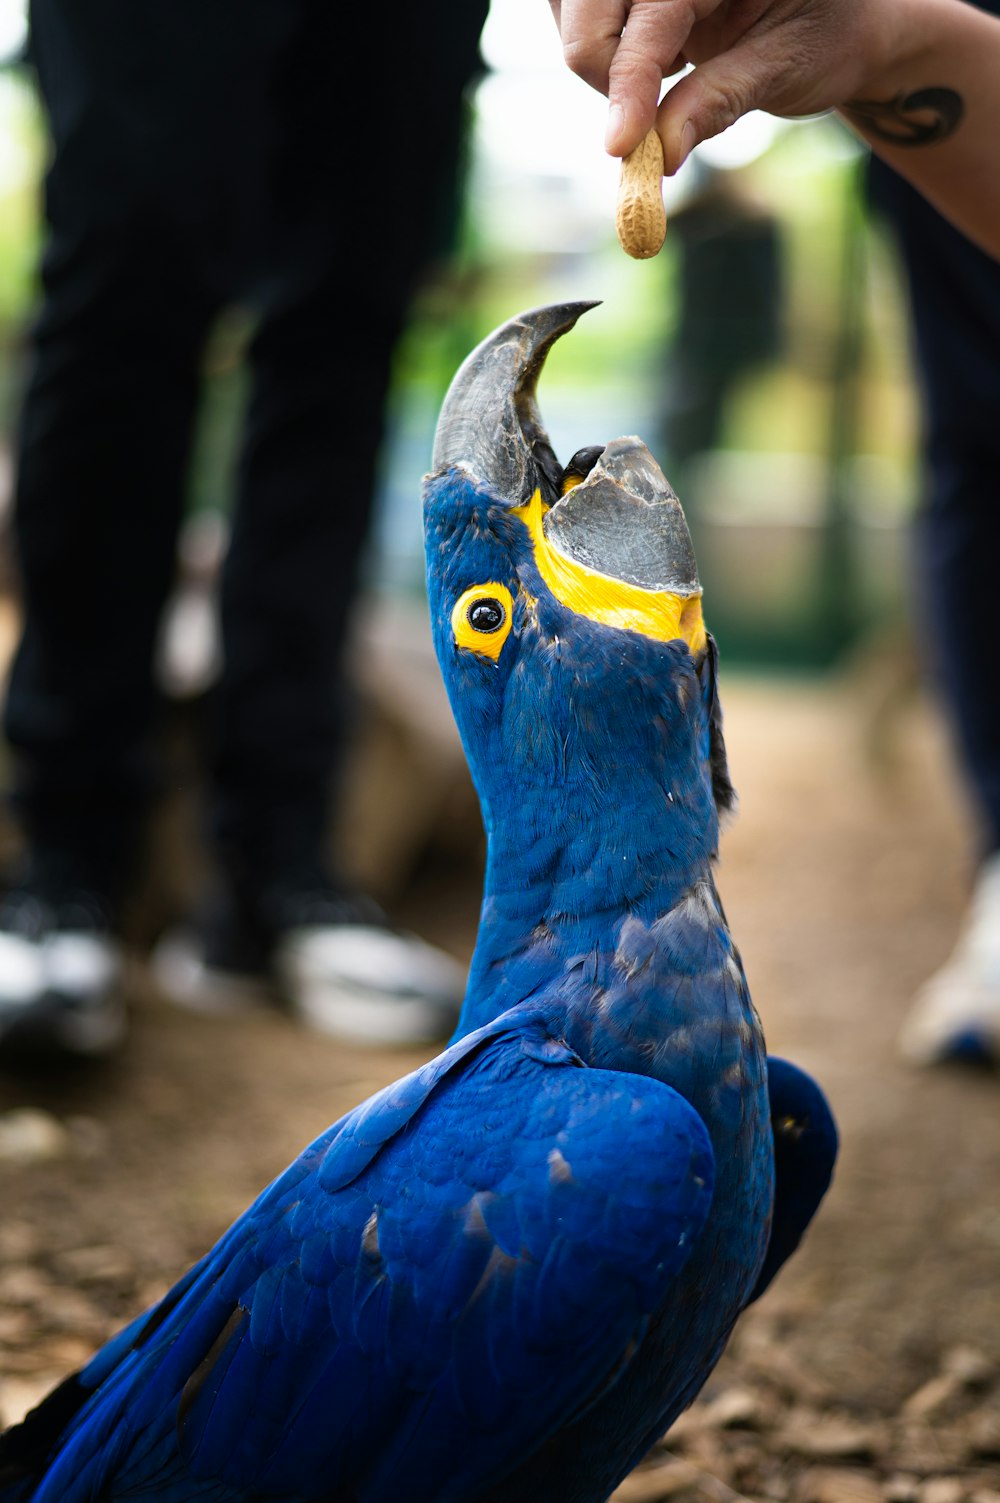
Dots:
pixel 331 961
pixel 372 985
pixel 956 1014
pixel 61 978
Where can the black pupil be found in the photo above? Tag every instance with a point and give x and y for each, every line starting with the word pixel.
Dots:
pixel 486 615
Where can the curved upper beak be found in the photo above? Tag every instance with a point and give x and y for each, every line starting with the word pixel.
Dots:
pixel 489 422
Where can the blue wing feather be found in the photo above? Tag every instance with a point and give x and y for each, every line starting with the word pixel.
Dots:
pixel 417 1302
pixel 805 1152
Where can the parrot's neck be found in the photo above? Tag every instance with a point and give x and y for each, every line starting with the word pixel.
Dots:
pixel 614 926
pixel 567 866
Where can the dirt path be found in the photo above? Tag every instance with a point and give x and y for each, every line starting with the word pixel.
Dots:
pixel 870 1371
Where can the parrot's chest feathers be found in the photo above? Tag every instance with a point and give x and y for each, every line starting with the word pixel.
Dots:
pixel 670 1000
pixel 653 988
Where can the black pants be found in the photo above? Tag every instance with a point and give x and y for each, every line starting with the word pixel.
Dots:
pixel 205 153
pixel 955 293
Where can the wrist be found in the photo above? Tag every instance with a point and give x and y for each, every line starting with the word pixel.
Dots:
pixel 907 95
pixel 906 48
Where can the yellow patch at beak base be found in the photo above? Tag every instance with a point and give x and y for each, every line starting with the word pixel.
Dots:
pixel 659 614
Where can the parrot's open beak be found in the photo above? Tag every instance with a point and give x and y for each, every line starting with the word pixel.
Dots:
pixel 610 512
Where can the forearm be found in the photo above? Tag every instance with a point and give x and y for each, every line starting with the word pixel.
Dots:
pixel 932 112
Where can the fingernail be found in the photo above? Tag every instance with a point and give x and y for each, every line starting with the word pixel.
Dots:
pixel 687 141
pixel 616 124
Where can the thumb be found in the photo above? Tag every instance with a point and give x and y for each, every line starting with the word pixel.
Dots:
pixel 713 96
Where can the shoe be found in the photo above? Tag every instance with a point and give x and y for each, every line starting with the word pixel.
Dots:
pixel 332 960
pixel 60 975
pixel 956 1015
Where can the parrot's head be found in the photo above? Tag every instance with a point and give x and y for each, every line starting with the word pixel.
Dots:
pixel 565 602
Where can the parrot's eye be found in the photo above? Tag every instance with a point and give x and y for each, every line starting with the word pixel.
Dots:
pixel 481 618
pixel 486 614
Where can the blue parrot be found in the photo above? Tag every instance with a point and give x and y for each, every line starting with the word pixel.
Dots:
pixel 503 1276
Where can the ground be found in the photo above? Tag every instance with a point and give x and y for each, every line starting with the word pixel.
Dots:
pixel 871 1369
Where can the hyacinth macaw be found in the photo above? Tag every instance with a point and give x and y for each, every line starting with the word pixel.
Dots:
pixel 502 1277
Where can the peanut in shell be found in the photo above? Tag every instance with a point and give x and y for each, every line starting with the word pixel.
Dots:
pixel 641 219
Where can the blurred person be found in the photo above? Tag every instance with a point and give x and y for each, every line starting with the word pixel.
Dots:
pixel 918 80
pixel 730 277
pixel 954 290
pixel 206 155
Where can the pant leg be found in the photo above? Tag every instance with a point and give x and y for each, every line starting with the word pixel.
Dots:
pixel 104 436
pixel 351 230
pixel 955 294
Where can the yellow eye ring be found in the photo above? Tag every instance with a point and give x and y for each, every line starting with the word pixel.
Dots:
pixel 482 617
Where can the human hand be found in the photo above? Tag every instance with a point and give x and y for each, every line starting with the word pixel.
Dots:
pixel 790 57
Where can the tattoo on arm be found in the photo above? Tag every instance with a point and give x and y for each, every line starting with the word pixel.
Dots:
pixel 915 119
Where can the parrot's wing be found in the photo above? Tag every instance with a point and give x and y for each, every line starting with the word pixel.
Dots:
pixel 26 1448
pixel 414 1318
pixel 75 1417
pixel 805 1151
